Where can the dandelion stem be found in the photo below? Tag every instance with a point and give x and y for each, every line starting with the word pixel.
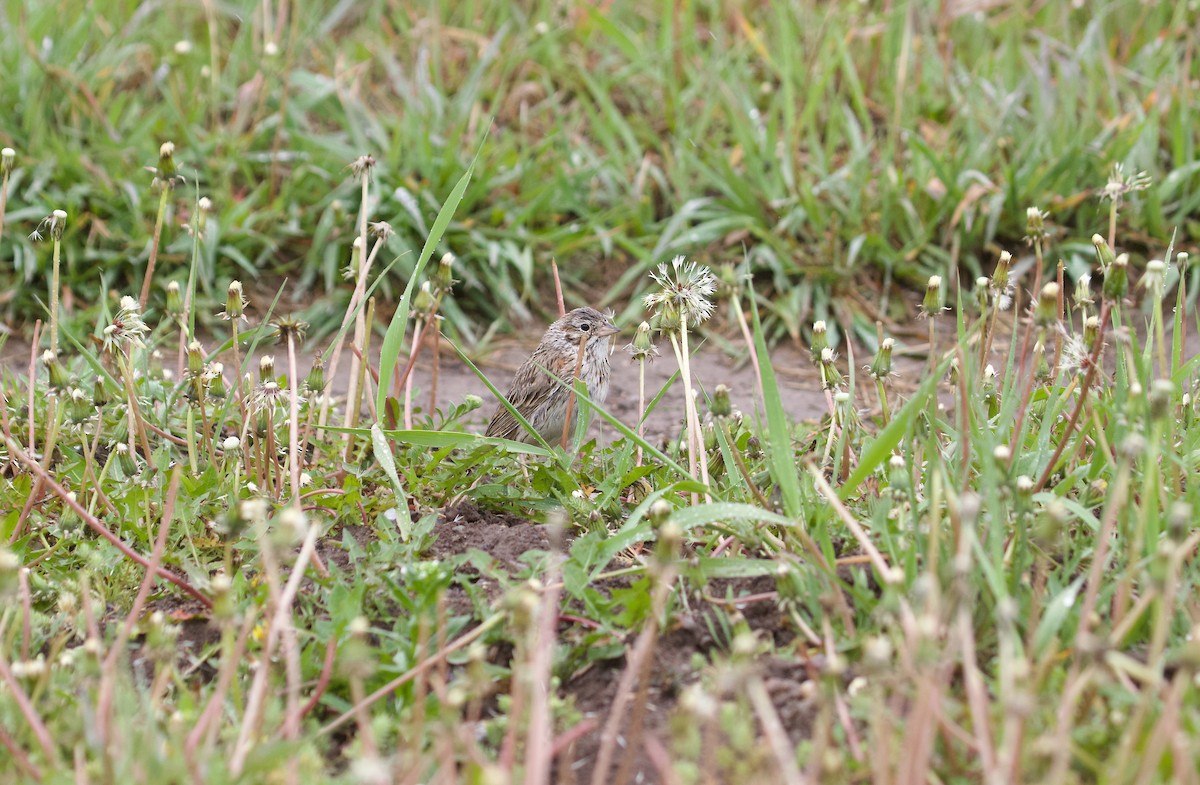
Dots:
pixel 293 419
pixel 1160 335
pixel 436 339
pixel 696 451
pixel 360 321
pixel 3 201
pixel 418 336
pixel 1112 223
pixel 54 290
pixel 933 363
pixel 641 431
pixel 1058 332
pixel 158 226
pixel 1092 362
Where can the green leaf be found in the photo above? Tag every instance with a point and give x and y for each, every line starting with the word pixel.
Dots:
pixel 783 461
pixel 393 339
pixel 881 447
pixel 1055 615
pixel 466 440
pixel 383 454
pixel 691 517
pixel 722 567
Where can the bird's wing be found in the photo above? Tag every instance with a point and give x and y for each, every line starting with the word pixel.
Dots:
pixel 530 388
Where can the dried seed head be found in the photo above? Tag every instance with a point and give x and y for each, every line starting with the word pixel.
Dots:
pixel 53 225
pixel 670 538
pixel 1041 367
pixel 289 328
pixel 266 368
pixel 424 302
pixel 314 384
pixel 983 287
pixel 57 374
pixel 444 277
pixel 195 358
pixel 381 230
pixel 58 225
pixel 266 399
pixel 1083 292
pixel 686 287
pixel 1035 223
pixel 99 392
pixel 820 341
pixel 1091 331
pixel 214 376
pixel 362 166
pixel 1000 275
pixel 831 377
pixel 1154 280
pixel 1103 252
pixel 8 159
pixel 1179 520
pixel 877 653
pixel 642 348
pixel 931 306
pixel 235 303
pixel 203 208
pixel 174 301
pixel 1116 278
pixel 1159 398
pixel 659 512
pixel 165 175
pixel 1046 312
pixel 721 405
pixel 1133 446
pixel 127 328
pixel 1181 259
pixel 1119 184
pixel 881 366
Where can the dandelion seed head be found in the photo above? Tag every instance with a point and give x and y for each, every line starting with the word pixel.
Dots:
pixel 686 287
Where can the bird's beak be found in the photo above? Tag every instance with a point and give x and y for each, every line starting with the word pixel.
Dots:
pixel 606 329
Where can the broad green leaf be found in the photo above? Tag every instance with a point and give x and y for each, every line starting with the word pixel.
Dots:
pixel 383 454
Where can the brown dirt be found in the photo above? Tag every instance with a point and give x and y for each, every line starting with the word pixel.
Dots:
pixel 503 536
pixel 675 665
pixel 679 650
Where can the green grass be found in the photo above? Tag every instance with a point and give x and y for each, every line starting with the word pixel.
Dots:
pixel 828 144
pixel 993 579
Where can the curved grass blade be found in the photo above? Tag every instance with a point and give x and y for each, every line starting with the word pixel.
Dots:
pixel 393 339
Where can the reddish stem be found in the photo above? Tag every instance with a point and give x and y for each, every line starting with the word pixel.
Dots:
pixel 97 526
pixel 1093 362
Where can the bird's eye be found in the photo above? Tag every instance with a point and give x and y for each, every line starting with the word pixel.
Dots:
pixel 585 327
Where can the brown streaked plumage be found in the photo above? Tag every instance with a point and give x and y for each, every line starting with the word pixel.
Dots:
pixel 541 400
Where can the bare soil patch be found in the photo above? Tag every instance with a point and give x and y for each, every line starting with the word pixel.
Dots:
pixel 679 657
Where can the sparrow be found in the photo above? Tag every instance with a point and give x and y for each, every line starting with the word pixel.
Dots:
pixel 543 401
